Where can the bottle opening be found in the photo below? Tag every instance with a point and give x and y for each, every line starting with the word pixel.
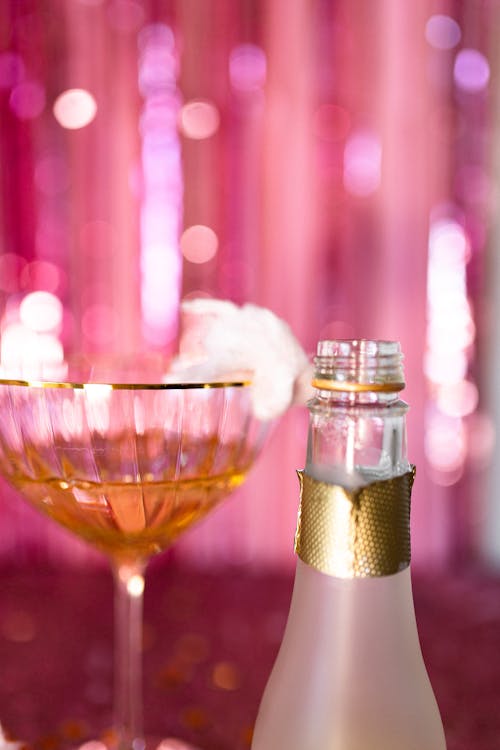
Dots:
pixel 357 365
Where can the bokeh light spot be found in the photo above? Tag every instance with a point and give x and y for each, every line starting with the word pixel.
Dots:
pixel 247 67
pixel 442 32
pixel 197 718
pixel 448 332
pixel 24 352
pixel 73 729
pixel 459 399
pixel 471 70
pixel 135 585
pixel 448 243
pixel 27 100
pixel 362 163
pixel 226 676
pixel 75 108
pixel 447 367
pixel 41 311
pixel 40 275
pixel 199 243
pixel 445 444
pixel 18 626
pixel 15 340
pixel 157 75
pixel 156 36
pixel 199 119
pixel 446 477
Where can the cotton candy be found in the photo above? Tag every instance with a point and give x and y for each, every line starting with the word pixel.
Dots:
pixel 220 341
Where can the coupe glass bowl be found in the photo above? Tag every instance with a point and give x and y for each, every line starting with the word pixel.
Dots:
pixel 127 466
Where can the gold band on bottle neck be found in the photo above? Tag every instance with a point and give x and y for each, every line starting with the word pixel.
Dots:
pixel 325 384
pixel 359 533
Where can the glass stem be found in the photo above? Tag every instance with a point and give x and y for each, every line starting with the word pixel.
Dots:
pixel 129 587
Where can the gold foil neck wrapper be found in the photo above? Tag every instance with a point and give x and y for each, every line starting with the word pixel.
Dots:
pixel 360 533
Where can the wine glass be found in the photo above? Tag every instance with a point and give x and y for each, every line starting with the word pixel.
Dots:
pixel 127 465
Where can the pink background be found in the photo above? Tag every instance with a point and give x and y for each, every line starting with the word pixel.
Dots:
pixel 343 157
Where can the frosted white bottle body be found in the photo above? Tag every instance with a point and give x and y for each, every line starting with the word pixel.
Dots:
pixel 350 673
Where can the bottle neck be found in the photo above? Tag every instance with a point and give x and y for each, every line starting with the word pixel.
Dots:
pixel 355 492
pixel 359 365
pixel 356 437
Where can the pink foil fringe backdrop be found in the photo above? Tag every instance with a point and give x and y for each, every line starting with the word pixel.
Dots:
pixel 326 160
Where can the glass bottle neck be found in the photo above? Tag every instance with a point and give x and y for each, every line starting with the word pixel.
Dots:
pixel 357 430
pixel 324 399
pixel 356 438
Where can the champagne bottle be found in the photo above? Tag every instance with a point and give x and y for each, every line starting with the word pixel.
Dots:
pixel 349 674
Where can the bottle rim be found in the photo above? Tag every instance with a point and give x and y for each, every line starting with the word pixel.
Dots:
pixel 359 365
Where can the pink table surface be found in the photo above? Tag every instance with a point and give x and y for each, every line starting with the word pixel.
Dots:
pixel 210 640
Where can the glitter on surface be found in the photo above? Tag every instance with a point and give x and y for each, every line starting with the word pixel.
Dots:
pixel 44 702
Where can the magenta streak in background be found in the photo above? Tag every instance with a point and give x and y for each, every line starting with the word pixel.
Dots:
pixel 160 259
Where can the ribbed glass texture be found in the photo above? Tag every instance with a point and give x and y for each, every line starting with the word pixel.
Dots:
pixel 126 469
pixel 360 361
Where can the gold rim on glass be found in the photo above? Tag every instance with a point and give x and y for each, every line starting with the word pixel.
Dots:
pixel 125 386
